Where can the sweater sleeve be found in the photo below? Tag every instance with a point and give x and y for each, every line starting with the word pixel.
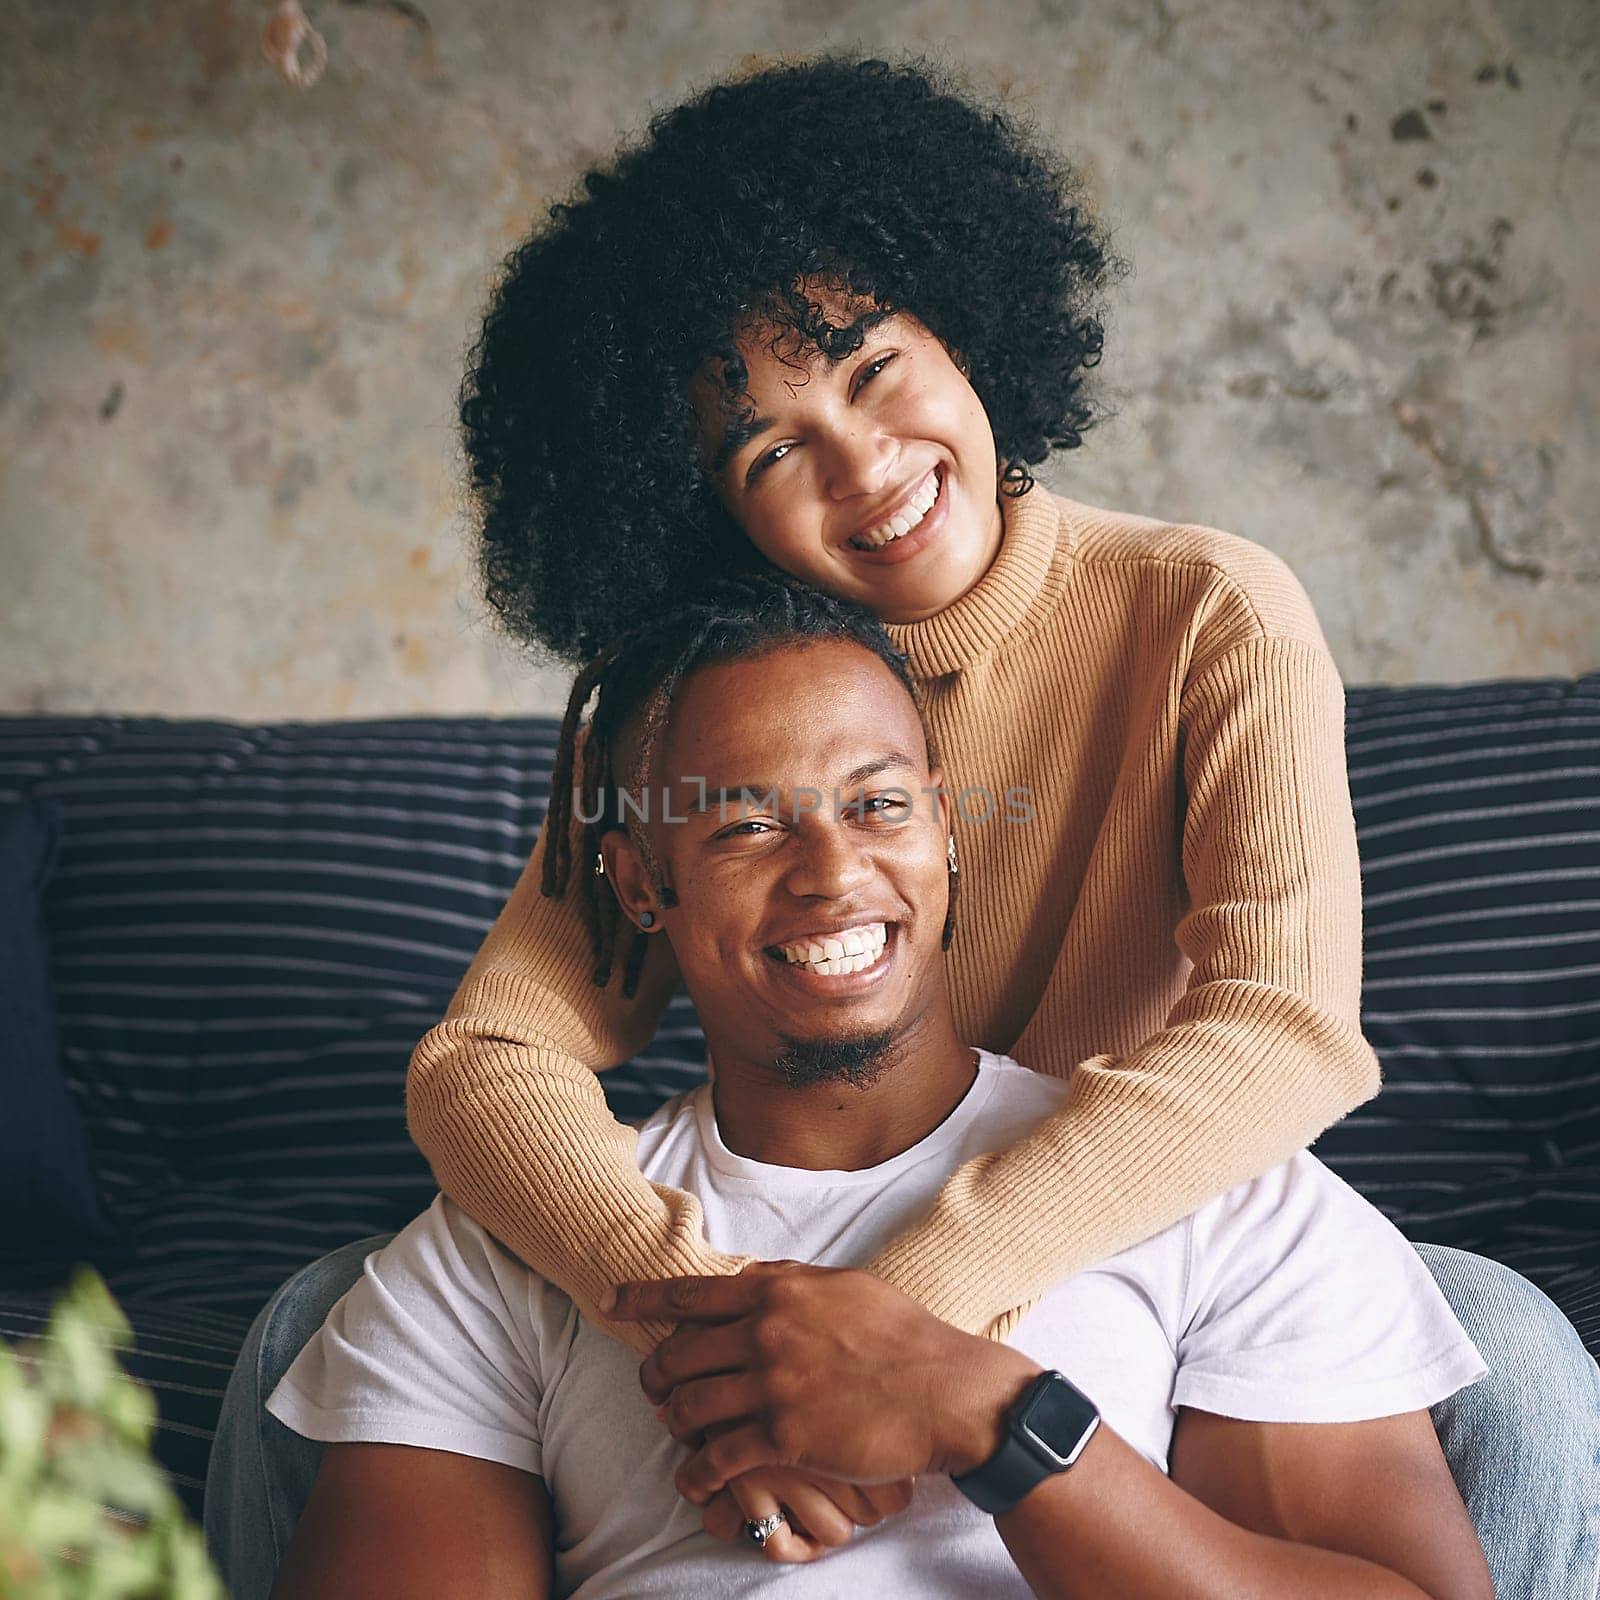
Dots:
pixel 1262 1051
pixel 503 1099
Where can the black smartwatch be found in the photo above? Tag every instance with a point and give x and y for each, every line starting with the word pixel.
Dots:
pixel 1046 1431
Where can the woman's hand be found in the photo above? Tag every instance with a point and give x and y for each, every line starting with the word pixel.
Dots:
pixel 821 1514
pixel 833 1373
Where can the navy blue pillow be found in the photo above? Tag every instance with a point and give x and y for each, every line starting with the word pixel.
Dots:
pixel 50 1210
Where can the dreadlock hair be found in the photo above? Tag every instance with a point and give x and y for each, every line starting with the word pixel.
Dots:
pixel 729 619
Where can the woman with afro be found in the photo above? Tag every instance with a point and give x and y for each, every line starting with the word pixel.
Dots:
pixel 825 319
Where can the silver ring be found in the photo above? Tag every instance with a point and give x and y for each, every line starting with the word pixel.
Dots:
pixel 759 1532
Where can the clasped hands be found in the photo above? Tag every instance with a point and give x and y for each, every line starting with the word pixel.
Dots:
pixel 818 1391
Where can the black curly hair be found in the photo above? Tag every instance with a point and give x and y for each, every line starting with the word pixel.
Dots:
pixel 878 179
pixel 728 619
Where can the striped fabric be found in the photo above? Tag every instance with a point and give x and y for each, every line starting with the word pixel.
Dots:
pixel 251 925
pixel 1478 813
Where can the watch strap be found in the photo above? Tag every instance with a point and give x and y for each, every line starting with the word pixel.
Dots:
pixel 1024 1460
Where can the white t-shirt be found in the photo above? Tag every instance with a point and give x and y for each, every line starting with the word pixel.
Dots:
pixel 1289 1299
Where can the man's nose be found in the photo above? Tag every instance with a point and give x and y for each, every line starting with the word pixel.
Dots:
pixel 828 862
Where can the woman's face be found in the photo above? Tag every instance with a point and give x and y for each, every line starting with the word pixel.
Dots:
pixel 874 479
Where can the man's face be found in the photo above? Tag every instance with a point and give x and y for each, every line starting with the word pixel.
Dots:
pixel 852 457
pixel 800 919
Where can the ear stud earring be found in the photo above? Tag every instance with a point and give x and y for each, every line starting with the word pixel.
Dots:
pixel 647 919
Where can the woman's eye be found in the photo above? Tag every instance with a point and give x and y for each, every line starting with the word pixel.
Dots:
pixel 778 452
pixel 772 457
pixel 872 371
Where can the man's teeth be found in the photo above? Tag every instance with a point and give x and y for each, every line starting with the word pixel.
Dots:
pixel 854 950
pixel 898 527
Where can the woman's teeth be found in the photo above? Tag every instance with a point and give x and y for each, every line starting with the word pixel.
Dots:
pixel 922 502
pixel 852 951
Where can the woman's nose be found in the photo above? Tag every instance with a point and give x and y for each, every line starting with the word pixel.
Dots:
pixel 861 461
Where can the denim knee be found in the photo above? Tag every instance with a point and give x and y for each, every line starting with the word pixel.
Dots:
pixel 1537 1362
pixel 261 1472
pixel 1524 1442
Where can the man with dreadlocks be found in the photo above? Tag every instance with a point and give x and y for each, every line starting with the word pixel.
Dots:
pixel 758 789
pixel 639 683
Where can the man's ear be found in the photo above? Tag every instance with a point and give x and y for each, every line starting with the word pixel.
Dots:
pixel 941 796
pixel 628 876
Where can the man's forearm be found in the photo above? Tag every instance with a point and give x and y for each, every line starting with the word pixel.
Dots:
pixel 1113 1527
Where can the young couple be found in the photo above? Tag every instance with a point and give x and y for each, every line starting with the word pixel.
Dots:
pixel 820 321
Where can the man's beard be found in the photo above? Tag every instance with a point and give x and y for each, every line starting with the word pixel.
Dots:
pixel 856 1059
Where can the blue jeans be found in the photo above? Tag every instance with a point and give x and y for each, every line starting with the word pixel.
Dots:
pixel 1523 1444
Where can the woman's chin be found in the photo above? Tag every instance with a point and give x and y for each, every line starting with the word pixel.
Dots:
pixel 914 597
pixel 923 589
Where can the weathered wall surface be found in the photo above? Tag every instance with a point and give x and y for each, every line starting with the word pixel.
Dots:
pixel 1364 325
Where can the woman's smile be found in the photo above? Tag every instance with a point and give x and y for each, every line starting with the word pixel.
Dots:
pixel 906 511
pixel 911 540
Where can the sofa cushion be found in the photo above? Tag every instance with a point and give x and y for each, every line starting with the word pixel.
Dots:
pixel 50 1205
pixel 239 905
pixel 1478 815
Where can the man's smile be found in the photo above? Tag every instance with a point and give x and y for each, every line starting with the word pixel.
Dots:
pixel 855 957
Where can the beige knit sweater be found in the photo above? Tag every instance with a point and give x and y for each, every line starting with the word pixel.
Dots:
pixel 1177 931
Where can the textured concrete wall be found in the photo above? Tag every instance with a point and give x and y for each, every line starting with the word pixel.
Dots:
pixel 1364 326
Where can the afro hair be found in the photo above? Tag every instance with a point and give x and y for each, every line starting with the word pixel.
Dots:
pixel 878 178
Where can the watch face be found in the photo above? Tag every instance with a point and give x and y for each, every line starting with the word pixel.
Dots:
pixel 1057 1419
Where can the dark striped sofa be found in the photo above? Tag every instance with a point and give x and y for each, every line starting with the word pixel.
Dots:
pixel 251 925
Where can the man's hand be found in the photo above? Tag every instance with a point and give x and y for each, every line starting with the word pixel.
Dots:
pixel 826 1371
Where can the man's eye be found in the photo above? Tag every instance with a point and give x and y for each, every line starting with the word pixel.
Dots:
pixel 893 806
pixel 738 830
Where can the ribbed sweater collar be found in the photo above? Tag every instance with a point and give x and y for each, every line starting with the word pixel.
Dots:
pixel 999 603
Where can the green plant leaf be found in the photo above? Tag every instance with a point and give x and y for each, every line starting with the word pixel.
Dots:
pixel 75 1435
